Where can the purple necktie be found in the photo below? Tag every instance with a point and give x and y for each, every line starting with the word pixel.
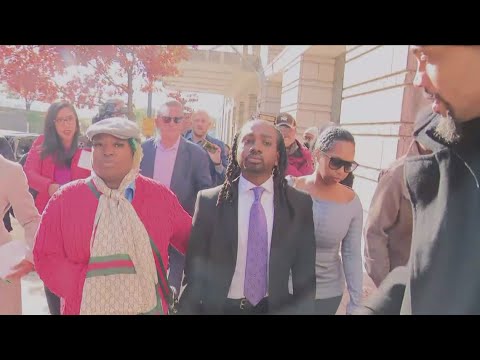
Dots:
pixel 255 287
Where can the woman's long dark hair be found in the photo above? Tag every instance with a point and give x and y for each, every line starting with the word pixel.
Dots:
pixel 234 171
pixel 52 144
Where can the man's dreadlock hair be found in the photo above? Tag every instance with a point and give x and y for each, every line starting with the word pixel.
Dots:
pixel 234 171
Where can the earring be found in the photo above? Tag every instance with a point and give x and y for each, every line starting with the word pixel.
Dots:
pixel 275 170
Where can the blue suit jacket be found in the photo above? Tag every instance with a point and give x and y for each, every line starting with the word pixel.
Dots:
pixel 190 172
pixel 190 175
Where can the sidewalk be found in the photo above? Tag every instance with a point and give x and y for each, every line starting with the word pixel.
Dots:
pixel 34 301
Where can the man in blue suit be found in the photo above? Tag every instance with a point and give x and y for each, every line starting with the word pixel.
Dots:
pixel 201 123
pixel 178 164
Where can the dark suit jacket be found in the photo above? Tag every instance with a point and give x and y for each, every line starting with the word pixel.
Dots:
pixel 212 255
pixel 190 175
pixel 190 172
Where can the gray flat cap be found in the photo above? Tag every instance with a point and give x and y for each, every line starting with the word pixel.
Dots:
pixel 117 126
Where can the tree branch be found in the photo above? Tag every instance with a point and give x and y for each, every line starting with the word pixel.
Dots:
pixel 109 79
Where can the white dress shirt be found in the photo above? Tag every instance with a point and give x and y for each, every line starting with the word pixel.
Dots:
pixel 245 201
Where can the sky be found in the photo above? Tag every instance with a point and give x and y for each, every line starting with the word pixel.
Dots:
pixel 212 103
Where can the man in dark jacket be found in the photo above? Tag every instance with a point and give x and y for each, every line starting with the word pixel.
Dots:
pixel 443 274
pixel 201 124
pixel 250 234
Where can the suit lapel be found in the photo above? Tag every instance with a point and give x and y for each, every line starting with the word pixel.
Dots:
pixel 229 221
pixel 227 234
pixel 182 162
pixel 280 221
pixel 279 232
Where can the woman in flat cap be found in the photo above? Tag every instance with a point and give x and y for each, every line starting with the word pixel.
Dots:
pixel 102 244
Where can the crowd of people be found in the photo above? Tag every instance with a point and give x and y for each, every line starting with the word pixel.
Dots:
pixel 184 223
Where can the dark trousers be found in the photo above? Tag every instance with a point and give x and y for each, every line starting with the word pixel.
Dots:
pixel 327 306
pixel 53 302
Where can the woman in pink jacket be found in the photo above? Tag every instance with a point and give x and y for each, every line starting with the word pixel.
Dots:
pixel 53 161
pixel 14 193
pixel 54 156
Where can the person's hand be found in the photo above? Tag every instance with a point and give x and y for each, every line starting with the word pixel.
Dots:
pixel 20 270
pixel 216 156
pixel 52 189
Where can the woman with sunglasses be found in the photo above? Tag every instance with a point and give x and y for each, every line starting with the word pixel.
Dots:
pixel 55 160
pixel 337 216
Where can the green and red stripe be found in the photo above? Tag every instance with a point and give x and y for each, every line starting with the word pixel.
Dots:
pixel 158 264
pixel 110 265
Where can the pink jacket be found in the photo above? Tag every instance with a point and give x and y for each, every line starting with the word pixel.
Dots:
pixel 62 243
pixel 300 166
pixel 40 172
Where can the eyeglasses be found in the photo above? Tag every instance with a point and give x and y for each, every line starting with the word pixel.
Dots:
pixel 336 163
pixel 65 120
pixel 168 119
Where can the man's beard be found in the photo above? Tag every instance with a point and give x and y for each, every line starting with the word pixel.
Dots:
pixel 448 129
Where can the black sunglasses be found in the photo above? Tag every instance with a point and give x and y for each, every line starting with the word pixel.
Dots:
pixel 336 163
pixel 168 119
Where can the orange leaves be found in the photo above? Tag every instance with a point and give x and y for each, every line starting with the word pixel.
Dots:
pixel 30 70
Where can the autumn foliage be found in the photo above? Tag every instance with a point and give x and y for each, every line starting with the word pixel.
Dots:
pixel 114 67
pixel 28 71
pixel 184 100
pixel 102 71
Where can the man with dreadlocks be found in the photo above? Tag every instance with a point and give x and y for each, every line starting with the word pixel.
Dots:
pixel 102 245
pixel 248 234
